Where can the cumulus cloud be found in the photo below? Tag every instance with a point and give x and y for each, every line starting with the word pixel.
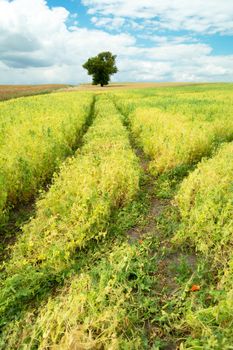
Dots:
pixel 176 62
pixel 32 35
pixel 38 44
pixel 112 23
pixel 210 16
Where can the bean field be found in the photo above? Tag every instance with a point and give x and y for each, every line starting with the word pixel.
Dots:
pixel 116 219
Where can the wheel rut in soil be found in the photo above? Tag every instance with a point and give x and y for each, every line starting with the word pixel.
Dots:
pixel 169 256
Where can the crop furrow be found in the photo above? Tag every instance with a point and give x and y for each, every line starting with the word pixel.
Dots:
pixel 37 134
pixel 100 179
pixel 21 212
pixel 171 139
pixel 130 248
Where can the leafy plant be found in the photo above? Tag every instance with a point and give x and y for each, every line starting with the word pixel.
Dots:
pixel 101 67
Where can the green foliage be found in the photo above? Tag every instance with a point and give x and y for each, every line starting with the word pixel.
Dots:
pixel 176 133
pixel 103 177
pixel 204 207
pixel 172 141
pixel 103 306
pixel 167 184
pixel 177 127
pixel 101 67
pixel 205 202
pixel 75 280
pixel 36 134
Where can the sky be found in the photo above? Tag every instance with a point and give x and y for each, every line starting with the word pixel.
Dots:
pixel 154 40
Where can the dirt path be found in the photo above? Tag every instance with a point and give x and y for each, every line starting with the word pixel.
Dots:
pixel 157 205
pixel 170 259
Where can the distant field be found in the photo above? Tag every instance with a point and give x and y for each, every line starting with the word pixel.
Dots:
pixel 128 235
pixel 12 91
pixel 8 92
pixel 116 86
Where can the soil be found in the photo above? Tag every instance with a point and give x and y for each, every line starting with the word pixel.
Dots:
pixel 169 257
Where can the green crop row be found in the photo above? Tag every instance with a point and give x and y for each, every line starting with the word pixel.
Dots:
pixel 37 133
pixel 205 204
pixel 103 306
pixel 102 177
pixel 172 140
pixel 204 103
pixel 179 130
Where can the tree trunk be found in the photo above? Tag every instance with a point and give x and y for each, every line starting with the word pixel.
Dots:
pixel 102 85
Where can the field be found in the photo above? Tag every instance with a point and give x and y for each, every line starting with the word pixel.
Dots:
pixel 12 91
pixel 116 219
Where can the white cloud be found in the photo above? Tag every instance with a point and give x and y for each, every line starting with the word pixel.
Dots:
pixel 109 22
pixel 175 62
pixel 163 40
pixel 37 46
pixel 210 16
pixel 148 71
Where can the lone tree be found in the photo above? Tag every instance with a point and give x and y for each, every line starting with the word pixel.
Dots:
pixel 101 67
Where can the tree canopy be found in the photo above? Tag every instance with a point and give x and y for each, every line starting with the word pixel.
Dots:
pixel 101 67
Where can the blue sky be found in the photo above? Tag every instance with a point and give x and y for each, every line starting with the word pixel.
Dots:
pixel 155 40
pixel 221 44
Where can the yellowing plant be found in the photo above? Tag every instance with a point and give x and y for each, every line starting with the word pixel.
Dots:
pixel 37 134
pixel 90 311
pixel 171 140
pixel 205 203
pixel 102 177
